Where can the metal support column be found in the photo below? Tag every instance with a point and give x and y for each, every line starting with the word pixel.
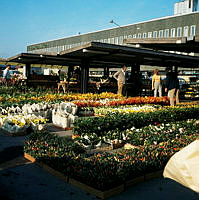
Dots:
pixel 135 80
pixel 135 70
pixel 176 69
pixel 106 71
pixel 84 76
pixel 27 70
pixel 70 72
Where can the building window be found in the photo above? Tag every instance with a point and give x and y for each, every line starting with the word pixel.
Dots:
pixel 116 40
pixel 144 35
pixel 193 30
pixel 121 38
pixel 173 32
pixel 179 32
pixel 134 36
pixel 155 34
pixel 112 40
pixel 161 34
pixel 139 35
pixel 129 36
pixel 109 40
pixel 186 31
pixel 166 33
pixel 149 34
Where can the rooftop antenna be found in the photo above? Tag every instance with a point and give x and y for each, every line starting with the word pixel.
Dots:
pixel 112 22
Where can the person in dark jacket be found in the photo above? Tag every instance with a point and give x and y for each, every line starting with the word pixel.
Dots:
pixel 172 87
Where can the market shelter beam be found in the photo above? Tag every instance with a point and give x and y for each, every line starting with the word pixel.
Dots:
pixel 29 58
pixel 112 54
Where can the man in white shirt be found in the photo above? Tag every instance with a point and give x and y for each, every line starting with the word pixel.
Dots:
pixel 120 76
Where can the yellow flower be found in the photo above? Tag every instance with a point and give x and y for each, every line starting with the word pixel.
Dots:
pixel 1 98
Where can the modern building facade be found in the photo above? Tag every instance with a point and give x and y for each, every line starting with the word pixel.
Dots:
pixel 183 25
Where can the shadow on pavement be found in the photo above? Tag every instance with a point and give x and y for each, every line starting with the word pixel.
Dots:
pixel 10 153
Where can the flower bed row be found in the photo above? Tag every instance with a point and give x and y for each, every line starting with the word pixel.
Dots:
pixel 127 101
pixel 81 100
pixel 98 127
pixel 124 109
pixel 41 97
pixel 41 144
pixel 106 170
pixel 148 135
pixel 156 134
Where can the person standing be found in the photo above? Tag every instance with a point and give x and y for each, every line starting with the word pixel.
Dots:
pixel 172 87
pixel 6 74
pixel 120 76
pixel 156 83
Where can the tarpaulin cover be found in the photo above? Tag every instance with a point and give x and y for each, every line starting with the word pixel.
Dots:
pixel 183 167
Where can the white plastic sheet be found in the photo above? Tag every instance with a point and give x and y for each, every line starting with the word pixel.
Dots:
pixel 183 167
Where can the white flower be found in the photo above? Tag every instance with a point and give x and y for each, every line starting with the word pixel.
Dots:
pixel 158 128
pixel 133 128
pixel 40 127
pixel 86 137
pixel 181 130
pixel 154 142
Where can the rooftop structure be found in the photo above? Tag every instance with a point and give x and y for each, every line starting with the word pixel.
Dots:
pixel 185 6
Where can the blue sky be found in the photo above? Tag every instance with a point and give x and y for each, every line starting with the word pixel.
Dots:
pixel 25 22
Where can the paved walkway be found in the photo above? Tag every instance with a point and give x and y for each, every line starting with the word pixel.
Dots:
pixel 22 180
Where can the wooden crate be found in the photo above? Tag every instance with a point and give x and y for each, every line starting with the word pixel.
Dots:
pixel 98 193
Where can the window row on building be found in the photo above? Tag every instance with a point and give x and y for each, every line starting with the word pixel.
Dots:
pixel 185 31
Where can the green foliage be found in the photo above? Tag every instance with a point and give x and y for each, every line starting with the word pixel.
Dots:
pixel 44 144
pixel 106 170
pixel 152 135
pixel 123 121
pixel 156 136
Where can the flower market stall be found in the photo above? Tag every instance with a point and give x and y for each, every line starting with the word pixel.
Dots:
pixel 116 141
